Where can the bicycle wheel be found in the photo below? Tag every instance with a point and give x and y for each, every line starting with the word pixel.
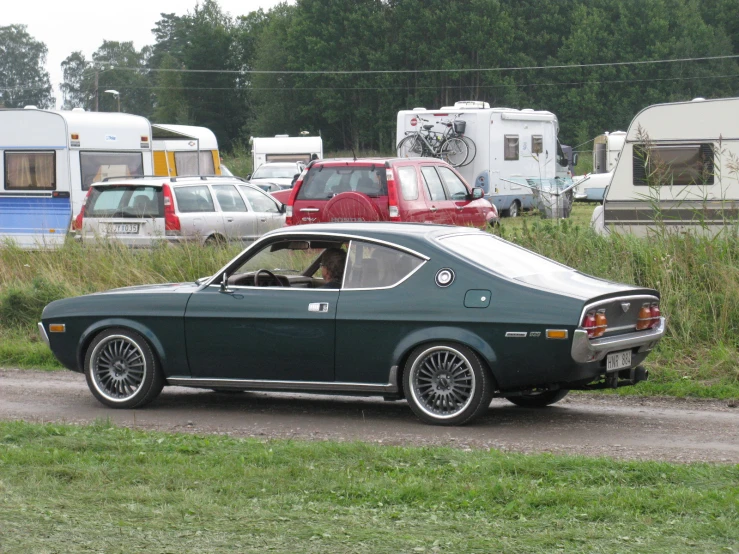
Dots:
pixel 454 152
pixel 472 150
pixel 410 147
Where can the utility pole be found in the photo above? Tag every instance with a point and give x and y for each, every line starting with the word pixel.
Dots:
pixel 96 89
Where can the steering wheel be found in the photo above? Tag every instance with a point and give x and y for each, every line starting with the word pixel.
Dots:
pixel 269 274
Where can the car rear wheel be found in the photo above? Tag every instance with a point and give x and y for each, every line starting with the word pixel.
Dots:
pixel 514 210
pixel 447 384
pixel 538 399
pixel 121 369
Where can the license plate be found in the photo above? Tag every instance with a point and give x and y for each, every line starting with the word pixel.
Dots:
pixel 122 228
pixel 618 360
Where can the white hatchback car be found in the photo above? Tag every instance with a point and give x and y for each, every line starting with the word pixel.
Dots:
pixel 279 174
pixel 140 211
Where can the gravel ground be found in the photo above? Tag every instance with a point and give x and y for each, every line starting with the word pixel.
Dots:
pixel 645 428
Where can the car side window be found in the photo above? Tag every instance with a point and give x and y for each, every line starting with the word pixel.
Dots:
pixel 194 199
pixel 455 186
pixel 371 266
pixel 408 182
pixel 259 201
pixel 229 199
pixel 433 183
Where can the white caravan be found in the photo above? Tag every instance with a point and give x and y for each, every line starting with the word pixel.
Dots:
pixel 606 151
pixel 48 160
pixel 511 147
pixel 284 148
pixel 185 150
pixel 682 158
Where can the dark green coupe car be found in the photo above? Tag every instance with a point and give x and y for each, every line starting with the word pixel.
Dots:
pixel 445 317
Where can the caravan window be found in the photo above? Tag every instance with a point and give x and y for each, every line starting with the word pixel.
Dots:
pixel 96 166
pixel 511 147
pixel 30 170
pixel 186 163
pixel 537 144
pixel 673 164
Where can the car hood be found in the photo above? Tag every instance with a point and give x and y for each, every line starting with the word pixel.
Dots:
pixel 166 287
pixel 578 285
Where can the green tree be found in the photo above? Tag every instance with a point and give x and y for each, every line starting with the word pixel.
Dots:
pixel 171 100
pixel 23 79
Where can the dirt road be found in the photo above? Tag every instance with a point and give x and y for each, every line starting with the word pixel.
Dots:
pixel 627 428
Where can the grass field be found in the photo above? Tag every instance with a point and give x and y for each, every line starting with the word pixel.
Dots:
pixel 104 489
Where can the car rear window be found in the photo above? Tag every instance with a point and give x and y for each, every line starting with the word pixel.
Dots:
pixel 324 182
pixel 134 201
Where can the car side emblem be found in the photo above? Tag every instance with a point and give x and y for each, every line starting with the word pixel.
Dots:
pixel 444 277
pixel 625 306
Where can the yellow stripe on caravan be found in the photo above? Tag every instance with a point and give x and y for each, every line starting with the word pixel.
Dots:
pixel 160 163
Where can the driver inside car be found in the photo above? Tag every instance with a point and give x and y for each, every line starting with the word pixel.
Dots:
pixel 333 261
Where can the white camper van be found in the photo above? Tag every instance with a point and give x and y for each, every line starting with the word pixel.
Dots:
pixel 185 150
pixel 48 160
pixel 681 157
pixel 606 151
pixel 284 148
pixel 511 146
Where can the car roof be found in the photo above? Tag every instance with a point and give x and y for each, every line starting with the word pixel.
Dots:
pixel 377 229
pixel 379 161
pixel 153 181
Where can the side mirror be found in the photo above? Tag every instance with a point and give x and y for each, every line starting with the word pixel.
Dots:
pixel 477 193
pixel 574 158
pixel 283 208
pixel 248 176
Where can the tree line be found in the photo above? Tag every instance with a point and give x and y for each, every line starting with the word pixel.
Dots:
pixel 344 69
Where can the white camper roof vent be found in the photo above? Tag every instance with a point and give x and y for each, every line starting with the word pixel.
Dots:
pixel 78 109
pixel 29 107
pixel 472 104
pixel 419 109
pixel 699 99
pixel 529 110
pixel 281 136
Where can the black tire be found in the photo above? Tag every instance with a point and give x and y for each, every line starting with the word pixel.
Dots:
pixel 446 384
pixel 121 369
pixel 410 147
pixel 514 210
pixel 538 399
pixel 454 152
pixel 215 240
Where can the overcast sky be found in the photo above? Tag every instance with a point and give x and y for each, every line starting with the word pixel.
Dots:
pixel 67 26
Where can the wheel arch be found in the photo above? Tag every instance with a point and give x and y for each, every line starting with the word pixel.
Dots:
pixel 467 338
pixel 104 324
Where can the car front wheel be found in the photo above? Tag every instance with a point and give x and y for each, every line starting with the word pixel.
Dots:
pixel 538 399
pixel 447 384
pixel 121 369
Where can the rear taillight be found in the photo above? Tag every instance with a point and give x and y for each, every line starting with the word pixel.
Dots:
pixel 644 321
pixel 601 323
pixel 588 323
pixel 656 315
pixel 289 218
pixel 77 224
pixel 392 196
pixel 171 221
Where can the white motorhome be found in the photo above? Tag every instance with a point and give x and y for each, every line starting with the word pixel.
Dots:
pixel 185 150
pixel 606 151
pixel 284 148
pixel 680 157
pixel 511 147
pixel 48 160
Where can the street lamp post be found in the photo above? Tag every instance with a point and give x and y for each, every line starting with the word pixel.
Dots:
pixel 117 95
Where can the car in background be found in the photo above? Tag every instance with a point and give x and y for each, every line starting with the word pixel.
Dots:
pixel 445 317
pixel 209 209
pixel 424 190
pixel 281 174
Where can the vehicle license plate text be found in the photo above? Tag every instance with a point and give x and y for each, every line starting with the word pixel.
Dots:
pixel 618 360
pixel 123 228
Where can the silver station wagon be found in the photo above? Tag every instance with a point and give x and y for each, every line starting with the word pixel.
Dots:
pixel 140 211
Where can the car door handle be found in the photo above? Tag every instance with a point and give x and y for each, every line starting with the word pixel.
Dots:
pixel 230 219
pixel 262 219
pixel 432 208
pixel 318 307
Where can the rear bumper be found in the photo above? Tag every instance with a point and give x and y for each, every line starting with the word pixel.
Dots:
pixel 585 350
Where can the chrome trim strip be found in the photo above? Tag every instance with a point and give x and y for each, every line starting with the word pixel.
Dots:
pixel 44 336
pixel 585 350
pixel 516 334
pixel 635 298
pixel 306 386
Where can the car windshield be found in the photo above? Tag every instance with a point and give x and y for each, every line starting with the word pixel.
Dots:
pixel 500 256
pixel 323 182
pixel 128 201
pixel 275 172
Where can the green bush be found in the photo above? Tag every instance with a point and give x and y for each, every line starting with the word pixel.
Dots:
pixel 21 303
